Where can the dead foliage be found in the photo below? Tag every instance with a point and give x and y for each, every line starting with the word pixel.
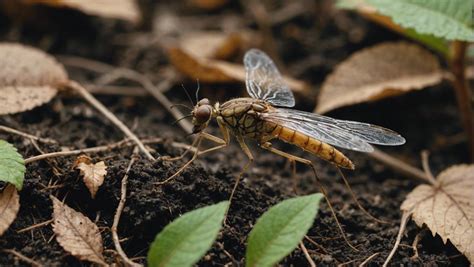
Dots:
pixel 9 206
pixel 77 234
pixel 378 72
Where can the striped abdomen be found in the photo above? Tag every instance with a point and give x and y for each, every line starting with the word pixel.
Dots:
pixel 313 146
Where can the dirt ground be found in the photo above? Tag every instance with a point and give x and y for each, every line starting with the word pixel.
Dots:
pixel 310 45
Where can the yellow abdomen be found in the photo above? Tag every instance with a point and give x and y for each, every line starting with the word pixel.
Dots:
pixel 313 146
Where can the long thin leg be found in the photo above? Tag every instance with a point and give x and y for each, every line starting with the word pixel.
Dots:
pixel 203 135
pixel 268 147
pixel 247 152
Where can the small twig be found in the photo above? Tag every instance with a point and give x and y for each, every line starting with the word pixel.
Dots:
pixel 426 167
pixel 23 257
pixel 123 143
pixel 414 245
pixel 118 213
pixel 29 136
pixel 155 91
pixel 457 64
pixel 399 166
pixel 29 228
pixel 113 73
pixel 403 223
pixel 109 115
pixel 364 263
pixel 306 254
pixel 116 90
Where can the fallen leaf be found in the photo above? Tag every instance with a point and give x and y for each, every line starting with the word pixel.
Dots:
pixel 447 209
pixel 117 9
pixel 217 71
pixel 9 206
pixel 378 72
pixel 76 233
pixel 93 174
pixel 29 78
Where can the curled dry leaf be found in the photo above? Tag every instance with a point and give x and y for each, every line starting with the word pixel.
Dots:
pixel 76 233
pixel 378 72
pixel 117 9
pixel 29 78
pixel 447 208
pixel 9 206
pixel 93 174
pixel 199 56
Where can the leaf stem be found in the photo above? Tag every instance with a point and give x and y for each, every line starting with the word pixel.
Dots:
pixel 461 87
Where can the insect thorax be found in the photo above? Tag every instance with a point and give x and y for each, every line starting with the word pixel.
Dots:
pixel 242 116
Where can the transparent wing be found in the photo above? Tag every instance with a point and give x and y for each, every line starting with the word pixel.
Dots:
pixel 264 81
pixel 345 134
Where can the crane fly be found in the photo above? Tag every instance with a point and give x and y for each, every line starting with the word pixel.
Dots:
pixel 268 115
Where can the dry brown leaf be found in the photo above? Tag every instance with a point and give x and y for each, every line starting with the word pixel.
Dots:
pixel 117 9
pixel 76 233
pixel 28 78
pixel 93 174
pixel 197 57
pixel 9 206
pixel 378 72
pixel 448 210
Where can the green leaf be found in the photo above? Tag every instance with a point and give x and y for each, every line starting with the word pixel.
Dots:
pixel 12 165
pixel 184 241
pixel 449 19
pixel 279 230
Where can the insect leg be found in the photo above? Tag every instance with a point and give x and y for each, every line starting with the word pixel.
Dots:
pixel 268 146
pixel 247 152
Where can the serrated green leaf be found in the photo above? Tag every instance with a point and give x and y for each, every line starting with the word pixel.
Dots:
pixel 447 19
pixel 12 165
pixel 184 241
pixel 279 230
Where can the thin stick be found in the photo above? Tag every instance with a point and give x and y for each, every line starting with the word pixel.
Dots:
pixel 306 254
pixel 399 166
pixel 23 257
pixel 116 90
pixel 403 223
pixel 118 213
pixel 155 91
pixel 97 149
pixel 115 73
pixel 460 84
pixel 29 228
pixel 426 166
pixel 32 137
pixel 369 259
pixel 109 115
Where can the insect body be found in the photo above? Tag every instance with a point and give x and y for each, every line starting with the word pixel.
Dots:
pixel 268 115
pixel 247 117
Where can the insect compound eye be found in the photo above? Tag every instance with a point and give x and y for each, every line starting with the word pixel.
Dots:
pixel 202 114
pixel 204 101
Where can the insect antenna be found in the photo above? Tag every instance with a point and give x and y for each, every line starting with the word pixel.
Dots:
pixel 188 95
pixel 182 118
pixel 348 186
pixel 197 90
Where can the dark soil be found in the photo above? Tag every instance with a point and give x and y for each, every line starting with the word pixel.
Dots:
pixel 310 45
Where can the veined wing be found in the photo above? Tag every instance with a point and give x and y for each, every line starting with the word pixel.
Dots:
pixel 345 134
pixel 264 81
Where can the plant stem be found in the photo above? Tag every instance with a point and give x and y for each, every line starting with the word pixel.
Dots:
pixel 463 92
